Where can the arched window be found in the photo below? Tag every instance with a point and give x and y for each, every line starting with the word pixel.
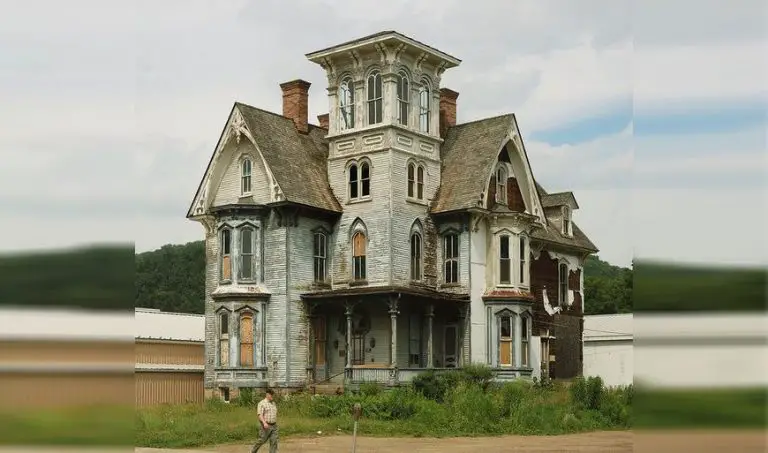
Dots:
pixel 501 185
pixel 451 258
pixel 562 293
pixel 424 106
pixel 359 180
pixel 358 256
pixel 247 246
pixel 347 104
pixel 374 98
pixel 416 256
pixel 226 254
pixel 403 96
pixel 415 181
pixel 245 176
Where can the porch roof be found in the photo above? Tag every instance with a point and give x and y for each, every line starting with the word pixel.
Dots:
pixel 385 290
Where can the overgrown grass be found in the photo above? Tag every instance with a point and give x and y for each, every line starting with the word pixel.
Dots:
pixel 97 425
pixel 465 403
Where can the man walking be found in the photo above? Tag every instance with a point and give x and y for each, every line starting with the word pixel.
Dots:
pixel 267 412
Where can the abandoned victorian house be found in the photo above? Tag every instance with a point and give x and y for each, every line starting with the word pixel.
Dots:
pixel 387 239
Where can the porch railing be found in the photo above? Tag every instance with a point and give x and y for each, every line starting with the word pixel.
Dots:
pixel 364 375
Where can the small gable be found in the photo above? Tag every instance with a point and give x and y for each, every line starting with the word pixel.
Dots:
pixel 244 180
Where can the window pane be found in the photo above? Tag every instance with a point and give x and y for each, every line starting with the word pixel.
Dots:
pixel 224 323
pixel 246 241
pixel 411 168
pixel 226 242
pixel 366 188
pixel 364 171
pixel 504 247
pixel 506 328
pixel 504 271
pixel 246 266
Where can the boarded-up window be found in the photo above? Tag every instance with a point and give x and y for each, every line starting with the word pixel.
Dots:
pixel 246 339
pixel 505 340
pixel 358 256
pixel 515 200
pixel 318 327
pixel 226 254
pixel 505 262
pixel 223 338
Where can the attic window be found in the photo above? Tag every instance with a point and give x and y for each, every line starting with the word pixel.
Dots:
pixel 567 229
pixel 245 176
pixel 501 185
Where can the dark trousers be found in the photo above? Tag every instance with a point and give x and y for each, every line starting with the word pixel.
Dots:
pixel 270 434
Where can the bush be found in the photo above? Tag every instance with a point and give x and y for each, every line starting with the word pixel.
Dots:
pixel 587 393
pixel 370 389
pixel 477 374
pixel 247 397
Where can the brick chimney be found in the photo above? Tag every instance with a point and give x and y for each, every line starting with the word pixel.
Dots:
pixel 323 120
pixel 447 109
pixel 296 103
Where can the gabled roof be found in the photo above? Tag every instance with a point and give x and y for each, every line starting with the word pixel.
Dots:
pixel 298 161
pixel 469 152
pixel 553 233
pixel 559 199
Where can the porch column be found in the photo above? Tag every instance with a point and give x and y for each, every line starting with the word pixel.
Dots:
pixel 348 313
pixel 263 355
pixel 393 318
pixel 430 348
pixel 463 334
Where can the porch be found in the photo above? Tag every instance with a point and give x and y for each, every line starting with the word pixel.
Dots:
pixel 384 338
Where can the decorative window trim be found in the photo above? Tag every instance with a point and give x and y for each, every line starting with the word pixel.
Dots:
pixel 246 176
pixel 346 81
pixel 358 183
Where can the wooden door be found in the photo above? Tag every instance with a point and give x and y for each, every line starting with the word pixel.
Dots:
pixel 246 340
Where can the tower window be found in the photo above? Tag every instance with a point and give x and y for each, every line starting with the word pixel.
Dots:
pixel 347 104
pixel 424 107
pixel 374 98
pixel 403 95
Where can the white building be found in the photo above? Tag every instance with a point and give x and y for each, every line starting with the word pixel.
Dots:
pixel 609 347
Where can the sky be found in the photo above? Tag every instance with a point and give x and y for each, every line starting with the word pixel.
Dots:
pixel 652 112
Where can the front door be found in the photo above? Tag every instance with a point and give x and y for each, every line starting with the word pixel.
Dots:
pixel 320 348
pixel 450 346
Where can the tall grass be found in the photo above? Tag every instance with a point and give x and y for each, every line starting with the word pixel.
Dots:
pixel 460 403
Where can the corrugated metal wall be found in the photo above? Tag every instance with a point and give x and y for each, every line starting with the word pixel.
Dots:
pixel 168 388
pixel 43 389
pixel 168 353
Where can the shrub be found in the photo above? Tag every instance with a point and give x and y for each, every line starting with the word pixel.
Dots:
pixel 433 385
pixel 587 393
pixel 370 389
pixel 247 397
pixel 478 374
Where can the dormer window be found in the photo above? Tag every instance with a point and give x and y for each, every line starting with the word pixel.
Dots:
pixel 501 185
pixel 374 98
pixel 346 104
pixel 403 95
pixel 567 228
pixel 415 181
pixel 359 181
pixel 246 166
pixel 424 106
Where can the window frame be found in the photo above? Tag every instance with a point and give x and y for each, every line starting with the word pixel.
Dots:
pixel 223 313
pixel 243 256
pixel 525 341
pixel 416 175
pixel 411 175
pixel 375 97
pixel 403 98
pixel 360 182
pixel 509 339
pixel 501 184
pixel 562 284
pixel 451 261
pixel 246 178
pixel 319 259
pixel 425 111
pixel 243 314
pixel 567 222
pixel 225 254
pixel 416 248
pixel 346 111
pixel 359 262
pixel 505 260
pixel 523 261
